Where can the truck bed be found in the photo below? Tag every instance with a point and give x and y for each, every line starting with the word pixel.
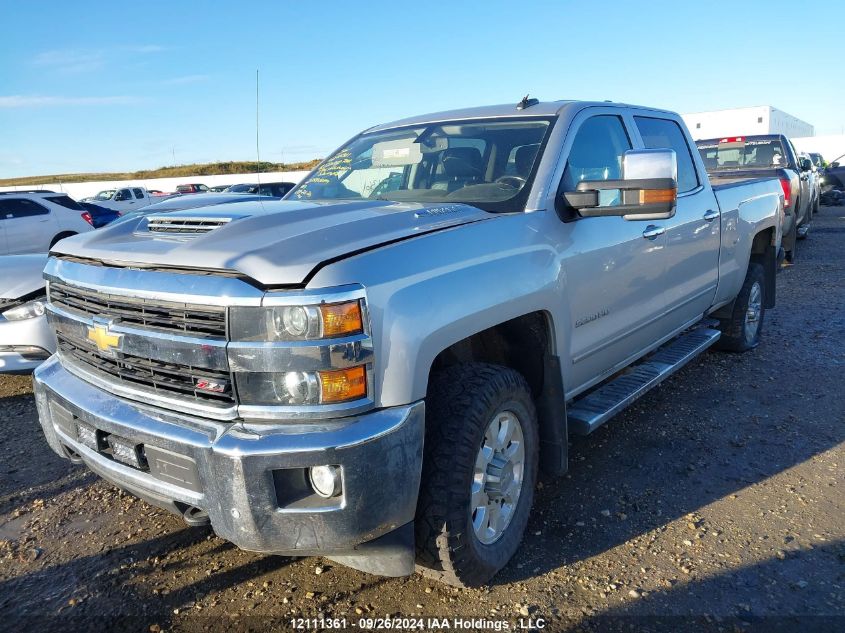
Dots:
pixel 733 179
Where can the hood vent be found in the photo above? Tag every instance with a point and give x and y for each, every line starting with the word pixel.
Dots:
pixel 183 225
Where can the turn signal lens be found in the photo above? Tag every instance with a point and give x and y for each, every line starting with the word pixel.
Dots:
pixel 341 318
pixel 651 196
pixel 343 384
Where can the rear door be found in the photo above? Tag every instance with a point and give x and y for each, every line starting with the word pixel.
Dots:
pixel 806 195
pixel 693 233
pixel 30 225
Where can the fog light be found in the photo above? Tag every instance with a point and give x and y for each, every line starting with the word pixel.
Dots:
pixel 125 451
pixel 89 436
pixel 325 480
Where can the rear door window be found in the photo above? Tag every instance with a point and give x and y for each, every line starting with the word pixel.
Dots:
pixel 667 134
pixel 21 208
pixel 139 193
pixel 67 202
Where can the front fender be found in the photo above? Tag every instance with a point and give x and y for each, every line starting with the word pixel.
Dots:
pixel 428 293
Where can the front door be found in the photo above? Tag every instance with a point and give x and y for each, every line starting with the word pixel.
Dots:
pixel 614 268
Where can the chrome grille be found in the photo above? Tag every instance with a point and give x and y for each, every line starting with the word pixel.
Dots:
pixel 194 320
pixel 164 379
pixel 184 225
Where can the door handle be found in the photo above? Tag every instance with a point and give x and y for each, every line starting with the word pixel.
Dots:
pixel 711 215
pixel 652 231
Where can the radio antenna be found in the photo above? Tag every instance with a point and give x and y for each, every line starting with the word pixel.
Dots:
pixel 257 150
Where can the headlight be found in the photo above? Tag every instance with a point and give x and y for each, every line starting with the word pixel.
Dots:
pixel 298 388
pixel 298 353
pixel 297 322
pixel 28 310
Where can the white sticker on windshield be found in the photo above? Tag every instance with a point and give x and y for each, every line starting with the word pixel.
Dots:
pixel 396 153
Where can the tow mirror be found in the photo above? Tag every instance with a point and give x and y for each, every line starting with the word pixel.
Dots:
pixel 805 164
pixel 833 165
pixel 648 189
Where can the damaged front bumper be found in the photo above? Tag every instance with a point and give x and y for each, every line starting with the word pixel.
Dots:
pixel 252 480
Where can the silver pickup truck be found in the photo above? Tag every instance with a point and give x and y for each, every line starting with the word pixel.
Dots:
pixel 375 368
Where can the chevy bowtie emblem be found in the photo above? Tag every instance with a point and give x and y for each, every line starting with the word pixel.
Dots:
pixel 103 339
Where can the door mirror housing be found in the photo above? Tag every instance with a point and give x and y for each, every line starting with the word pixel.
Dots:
pixel 805 164
pixel 648 189
pixel 833 165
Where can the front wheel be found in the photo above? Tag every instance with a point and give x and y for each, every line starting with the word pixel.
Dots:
pixel 741 332
pixel 479 472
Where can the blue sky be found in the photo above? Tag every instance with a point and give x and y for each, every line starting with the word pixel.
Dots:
pixel 92 86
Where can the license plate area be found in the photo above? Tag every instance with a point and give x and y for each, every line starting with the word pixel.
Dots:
pixel 167 466
pixel 117 448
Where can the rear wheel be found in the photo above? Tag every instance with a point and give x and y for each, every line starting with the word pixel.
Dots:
pixel 479 472
pixel 741 332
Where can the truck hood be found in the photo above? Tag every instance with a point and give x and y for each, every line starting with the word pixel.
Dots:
pixel 21 275
pixel 275 242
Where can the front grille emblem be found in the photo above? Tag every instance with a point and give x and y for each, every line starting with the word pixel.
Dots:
pixel 104 340
pixel 212 386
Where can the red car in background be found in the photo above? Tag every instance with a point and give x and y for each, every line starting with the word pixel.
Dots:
pixel 192 188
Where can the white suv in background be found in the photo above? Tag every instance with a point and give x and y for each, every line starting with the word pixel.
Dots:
pixel 33 221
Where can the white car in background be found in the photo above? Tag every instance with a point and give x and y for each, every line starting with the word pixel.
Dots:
pixel 32 222
pixel 25 338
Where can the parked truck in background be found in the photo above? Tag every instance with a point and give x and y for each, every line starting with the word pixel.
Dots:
pixel 123 199
pixel 766 156
pixel 375 368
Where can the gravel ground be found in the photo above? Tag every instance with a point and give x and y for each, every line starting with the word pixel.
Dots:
pixel 714 503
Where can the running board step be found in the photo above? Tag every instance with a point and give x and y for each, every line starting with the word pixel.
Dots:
pixel 591 411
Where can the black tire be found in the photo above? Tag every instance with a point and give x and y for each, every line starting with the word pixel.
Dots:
pixel 791 240
pixel 60 237
pixel 461 401
pixel 804 227
pixel 736 331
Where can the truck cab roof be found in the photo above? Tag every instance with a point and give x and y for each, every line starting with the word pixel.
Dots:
pixel 540 109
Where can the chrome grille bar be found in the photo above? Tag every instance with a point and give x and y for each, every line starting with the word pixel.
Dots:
pixel 161 378
pixel 160 315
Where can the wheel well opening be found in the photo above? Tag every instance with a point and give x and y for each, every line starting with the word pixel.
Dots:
pixel 763 252
pixel 521 344
pixel 762 241
pixel 61 236
pixel 524 344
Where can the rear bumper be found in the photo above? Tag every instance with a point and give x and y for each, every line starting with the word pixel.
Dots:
pixel 251 481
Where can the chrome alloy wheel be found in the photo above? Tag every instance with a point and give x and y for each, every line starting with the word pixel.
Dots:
pixel 497 480
pixel 752 314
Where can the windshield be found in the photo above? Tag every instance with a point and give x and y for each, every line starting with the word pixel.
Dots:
pixel 484 163
pixel 739 154
pixel 105 195
pixel 241 189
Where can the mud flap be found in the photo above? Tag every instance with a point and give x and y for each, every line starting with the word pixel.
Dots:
pixel 389 555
